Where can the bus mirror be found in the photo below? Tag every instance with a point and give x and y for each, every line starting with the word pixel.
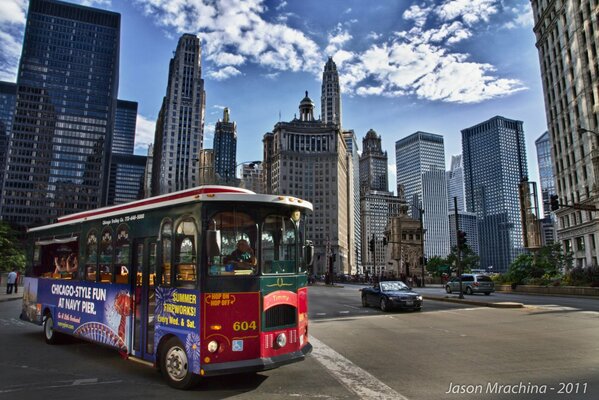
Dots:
pixel 309 253
pixel 213 243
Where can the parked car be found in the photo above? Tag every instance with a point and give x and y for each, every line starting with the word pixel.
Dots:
pixel 391 294
pixel 471 283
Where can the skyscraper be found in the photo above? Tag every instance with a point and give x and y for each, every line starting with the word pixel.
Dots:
pixel 66 98
pixel 330 99
pixel 8 100
pixel 494 164
pixel 567 42
pixel 352 153
pixel 545 165
pixel 125 122
pixel 373 164
pixel 455 183
pixel 127 173
pixel 225 147
pixel 179 133
pixel 308 159
pixel 420 161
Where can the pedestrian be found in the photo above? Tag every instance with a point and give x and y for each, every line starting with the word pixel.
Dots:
pixel 10 281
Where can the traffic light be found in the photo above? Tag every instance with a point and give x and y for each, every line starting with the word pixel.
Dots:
pixel 371 245
pixel 385 240
pixel 554 199
pixel 462 239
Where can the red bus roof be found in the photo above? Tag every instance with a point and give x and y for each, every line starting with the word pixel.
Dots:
pixel 203 193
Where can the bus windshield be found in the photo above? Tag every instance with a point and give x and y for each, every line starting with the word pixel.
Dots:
pixel 234 249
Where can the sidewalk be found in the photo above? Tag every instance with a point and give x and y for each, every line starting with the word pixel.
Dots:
pixel 9 297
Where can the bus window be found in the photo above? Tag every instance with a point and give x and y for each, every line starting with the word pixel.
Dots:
pixel 166 234
pixel 185 253
pixel 91 263
pixel 279 245
pixel 232 240
pixel 106 256
pixel 122 255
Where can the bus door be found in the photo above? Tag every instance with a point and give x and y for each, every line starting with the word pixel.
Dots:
pixel 144 303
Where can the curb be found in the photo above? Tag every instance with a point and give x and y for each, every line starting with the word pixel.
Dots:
pixel 11 299
pixel 475 303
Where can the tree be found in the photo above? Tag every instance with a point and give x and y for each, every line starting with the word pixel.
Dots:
pixel 437 266
pixel 468 258
pixel 548 262
pixel 11 253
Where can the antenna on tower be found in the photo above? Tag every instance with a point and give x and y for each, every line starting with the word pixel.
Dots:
pixel 279 115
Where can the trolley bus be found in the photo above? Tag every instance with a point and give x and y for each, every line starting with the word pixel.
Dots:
pixel 201 282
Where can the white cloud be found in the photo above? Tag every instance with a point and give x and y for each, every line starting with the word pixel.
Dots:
pixel 337 39
pixel 272 75
pixel 416 14
pixel 144 132
pixel 12 23
pixel 523 17
pixel 224 73
pixel 281 5
pixel 228 59
pixel 96 3
pixel 470 11
pixel 374 36
pixel 238 25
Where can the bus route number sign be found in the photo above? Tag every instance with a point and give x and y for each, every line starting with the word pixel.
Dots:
pixel 244 326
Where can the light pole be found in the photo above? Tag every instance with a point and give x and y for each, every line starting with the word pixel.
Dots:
pixel 422 241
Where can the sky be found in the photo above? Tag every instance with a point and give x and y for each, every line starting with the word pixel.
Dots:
pixel 429 65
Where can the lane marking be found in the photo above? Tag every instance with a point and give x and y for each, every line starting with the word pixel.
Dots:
pixel 343 312
pixel 354 378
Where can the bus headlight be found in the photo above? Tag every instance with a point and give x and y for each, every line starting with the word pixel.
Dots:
pixel 213 346
pixel 281 340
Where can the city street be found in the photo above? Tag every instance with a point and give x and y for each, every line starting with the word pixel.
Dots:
pixel 358 354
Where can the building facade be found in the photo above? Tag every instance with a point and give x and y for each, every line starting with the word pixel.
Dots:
pixel 127 172
pixel 373 164
pixel 251 177
pixel 58 160
pixel 376 209
pixel 404 245
pixel 494 165
pixel 125 122
pixel 455 184
pixel 420 161
pixel 468 224
pixel 225 147
pixel 330 99
pixel 567 42
pixel 148 172
pixel 545 165
pixel 179 133
pixel 352 153
pixel 8 100
pixel 308 159
pixel 206 167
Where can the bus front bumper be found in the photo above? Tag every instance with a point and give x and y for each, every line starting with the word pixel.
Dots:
pixel 255 365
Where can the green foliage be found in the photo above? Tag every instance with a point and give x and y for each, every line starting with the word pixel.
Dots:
pixel 468 258
pixel 436 266
pixel 11 253
pixel 546 266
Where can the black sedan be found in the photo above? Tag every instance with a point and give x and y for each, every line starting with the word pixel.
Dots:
pixel 391 294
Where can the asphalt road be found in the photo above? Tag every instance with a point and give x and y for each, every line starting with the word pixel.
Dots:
pixel 358 354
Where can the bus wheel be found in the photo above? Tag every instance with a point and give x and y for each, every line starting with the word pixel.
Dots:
pixel 50 335
pixel 175 366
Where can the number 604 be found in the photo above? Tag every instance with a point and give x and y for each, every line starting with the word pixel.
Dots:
pixel 244 325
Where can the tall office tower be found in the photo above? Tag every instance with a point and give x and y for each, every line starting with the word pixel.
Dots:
pixel 373 164
pixel 494 164
pixel 308 159
pixel 206 165
pixel 225 148
pixel 127 173
pixel 352 153
pixel 330 98
pixel 148 172
pixel 8 99
pixel 125 121
pixel 251 176
pixel 179 133
pixel 420 161
pixel 455 183
pixel 567 41
pixel 545 164
pixel 467 223
pixel 67 88
pixel 376 209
